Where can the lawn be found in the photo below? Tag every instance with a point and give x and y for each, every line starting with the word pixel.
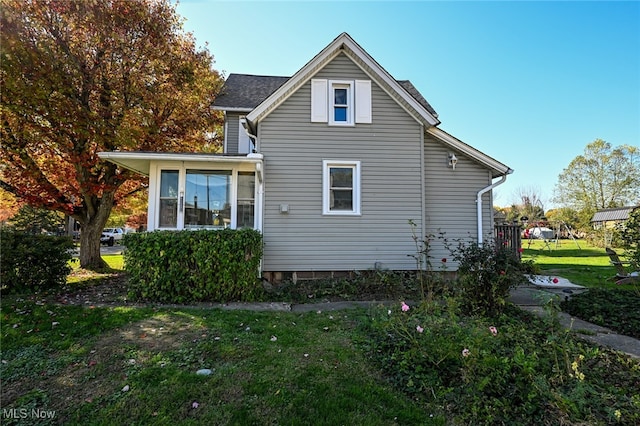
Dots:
pixel 378 366
pixel 587 265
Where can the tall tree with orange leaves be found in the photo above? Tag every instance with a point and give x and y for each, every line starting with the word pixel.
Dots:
pixel 81 77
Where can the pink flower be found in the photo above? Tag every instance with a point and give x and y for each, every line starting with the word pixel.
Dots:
pixel 502 272
pixel 405 307
pixel 466 352
pixel 555 281
pixel 520 250
pixel 420 329
pixel 493 330
pixel 195 404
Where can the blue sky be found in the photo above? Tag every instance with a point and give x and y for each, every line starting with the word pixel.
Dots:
pixel 528 83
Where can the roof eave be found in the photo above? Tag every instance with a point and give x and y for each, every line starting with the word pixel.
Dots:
pixel 497 168
pixel 140 162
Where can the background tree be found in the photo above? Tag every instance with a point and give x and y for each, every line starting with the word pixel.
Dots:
pixel 528 204
pixel 602 177
pixel 33 220
pixel 80 77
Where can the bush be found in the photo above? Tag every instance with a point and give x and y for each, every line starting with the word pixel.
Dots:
pixel 486 273
pixel 33 262
pixel 193 266
pixel 510 369
pixel 630 235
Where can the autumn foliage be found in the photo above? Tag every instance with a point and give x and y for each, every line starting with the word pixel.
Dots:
pixel 81 77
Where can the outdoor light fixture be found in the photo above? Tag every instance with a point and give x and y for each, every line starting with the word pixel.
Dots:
pixel 453 160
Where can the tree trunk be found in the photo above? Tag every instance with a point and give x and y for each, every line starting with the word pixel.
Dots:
pixel 92 226
pixel 90 246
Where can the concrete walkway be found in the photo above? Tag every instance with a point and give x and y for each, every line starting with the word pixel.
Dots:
pixel 533 297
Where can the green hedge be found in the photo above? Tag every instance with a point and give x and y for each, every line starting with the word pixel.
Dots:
pixel 194 266
pixel 33 262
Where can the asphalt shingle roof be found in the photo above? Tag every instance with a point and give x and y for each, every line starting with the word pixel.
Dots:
pixel 245 91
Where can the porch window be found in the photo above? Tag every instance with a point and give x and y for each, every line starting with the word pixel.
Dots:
pixel 341 187
pixel 168 199
pixel 208 199
pixel 246 200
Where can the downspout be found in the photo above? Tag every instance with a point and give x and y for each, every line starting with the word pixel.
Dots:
pixel 479 202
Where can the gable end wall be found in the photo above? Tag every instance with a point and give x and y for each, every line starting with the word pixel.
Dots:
pixel 389 151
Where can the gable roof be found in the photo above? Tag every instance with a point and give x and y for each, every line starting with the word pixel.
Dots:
pixel 610 215
pixel 346 45
pixel 260 95
pixel 244 92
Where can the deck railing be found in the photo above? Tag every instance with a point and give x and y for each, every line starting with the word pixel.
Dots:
pixel 509 236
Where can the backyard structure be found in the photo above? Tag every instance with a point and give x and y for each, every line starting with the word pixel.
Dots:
pixel 608 219
pixel 330 165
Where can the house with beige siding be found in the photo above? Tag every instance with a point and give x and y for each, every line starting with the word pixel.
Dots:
pixel 330 164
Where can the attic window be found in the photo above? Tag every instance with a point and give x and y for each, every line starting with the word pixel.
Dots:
pixel 340 102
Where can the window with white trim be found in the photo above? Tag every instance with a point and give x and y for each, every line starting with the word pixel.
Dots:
pixel 341 102
pixel 168 212
pixel 340 187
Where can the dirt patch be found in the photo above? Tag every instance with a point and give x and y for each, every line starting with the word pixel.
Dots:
pixel 101 371
pixel 94 290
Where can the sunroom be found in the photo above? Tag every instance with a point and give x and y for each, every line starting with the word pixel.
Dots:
pixel 198 191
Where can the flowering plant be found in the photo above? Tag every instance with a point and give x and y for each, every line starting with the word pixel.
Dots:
pixel 486 273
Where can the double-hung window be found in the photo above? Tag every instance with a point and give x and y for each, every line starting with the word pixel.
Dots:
pixel 341 187
pixel 341 102
pixel 168 215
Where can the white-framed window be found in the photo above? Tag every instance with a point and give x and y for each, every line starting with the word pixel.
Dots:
pixel 340 187
pixel 340 102
pixel 168 200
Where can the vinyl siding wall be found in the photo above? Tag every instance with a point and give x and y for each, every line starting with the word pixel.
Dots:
pixel 389 152
pixel 451 210
pixel 231 136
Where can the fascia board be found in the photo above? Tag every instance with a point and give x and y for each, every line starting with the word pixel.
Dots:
pixel 297 80
pixel 457 144
pixel 233 109
pixel 139 162
pixel 391 82
pixel 310 69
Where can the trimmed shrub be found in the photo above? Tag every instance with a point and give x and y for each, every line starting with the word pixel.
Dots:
pixel 33 262
pixel 194 266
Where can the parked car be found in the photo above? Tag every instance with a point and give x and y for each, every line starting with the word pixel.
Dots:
pixel 111 235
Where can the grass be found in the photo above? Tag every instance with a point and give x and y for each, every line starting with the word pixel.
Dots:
pixel 115 365
pixel 588 265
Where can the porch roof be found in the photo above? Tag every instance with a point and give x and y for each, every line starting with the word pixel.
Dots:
pixel 139 161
